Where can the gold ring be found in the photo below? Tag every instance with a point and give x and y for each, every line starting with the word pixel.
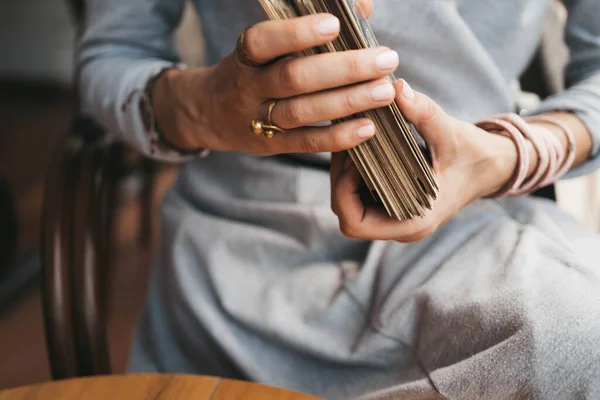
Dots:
pixel 269 129
pixel 242 54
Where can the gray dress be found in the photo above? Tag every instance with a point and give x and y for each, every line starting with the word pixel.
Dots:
pixel 255 280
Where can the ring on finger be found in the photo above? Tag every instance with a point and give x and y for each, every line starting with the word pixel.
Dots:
pixel 242 54
pixel 269 129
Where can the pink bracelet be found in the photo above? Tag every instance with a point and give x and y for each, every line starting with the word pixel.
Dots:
pixel 572 146
pixel 501 127
pixel 540 145
pixel 553 150
pixel 553 162
pixel 558 153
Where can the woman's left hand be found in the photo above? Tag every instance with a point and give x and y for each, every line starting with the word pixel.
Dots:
pixel 469 163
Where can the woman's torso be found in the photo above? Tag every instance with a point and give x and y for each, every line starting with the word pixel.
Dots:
pixel 251 250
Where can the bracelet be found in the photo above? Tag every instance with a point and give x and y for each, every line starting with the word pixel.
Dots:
pixel 553 150
pixel 545 164
pixel 553 162
pixel 501 127
pixel 572 144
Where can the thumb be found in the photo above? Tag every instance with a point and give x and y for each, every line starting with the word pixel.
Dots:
pixel 427 116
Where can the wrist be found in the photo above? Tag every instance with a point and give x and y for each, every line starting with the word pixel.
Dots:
pixel 502 159
pixel 177 115
pixel 503 163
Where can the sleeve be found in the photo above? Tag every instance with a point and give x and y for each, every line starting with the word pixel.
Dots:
pixel 125 44
pixel 582 75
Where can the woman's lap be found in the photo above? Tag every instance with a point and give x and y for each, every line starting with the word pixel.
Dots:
pixel 496 303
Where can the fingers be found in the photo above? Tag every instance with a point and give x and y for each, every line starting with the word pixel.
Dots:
pixel 345 198
pixel 371 223
pixel 272 39
pixel 296 76
pixel 444 134
pixel 333 138
pixel 338 164
pixel 268 40
pixel 427 116
pixel 366 6
pixel 332 105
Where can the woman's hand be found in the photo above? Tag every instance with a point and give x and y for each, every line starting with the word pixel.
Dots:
pixel 214 107
pixel 469 163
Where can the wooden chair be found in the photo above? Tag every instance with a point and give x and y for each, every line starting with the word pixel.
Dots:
pixel 81 196
pixel 79 207
pixel 8 228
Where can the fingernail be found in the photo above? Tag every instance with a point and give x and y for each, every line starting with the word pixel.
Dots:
pixel 407 91
pixel 387 60
pixel 367 131
pixel 328 26
pixel 383 92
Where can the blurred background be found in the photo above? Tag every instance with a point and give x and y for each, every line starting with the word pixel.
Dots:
pixel 36 112
pixel 37 40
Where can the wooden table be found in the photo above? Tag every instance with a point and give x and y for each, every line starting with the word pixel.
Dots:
pixel 150 387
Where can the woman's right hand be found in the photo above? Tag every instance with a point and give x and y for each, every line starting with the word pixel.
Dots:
pixel 213 107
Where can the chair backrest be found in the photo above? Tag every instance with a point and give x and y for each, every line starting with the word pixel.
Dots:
pixel 74 249
pixel 74 258
pixel 80 201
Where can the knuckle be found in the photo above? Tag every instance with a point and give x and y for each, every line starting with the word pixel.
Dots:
pixel 294 114
pixel 311 144
pixel 430 110
pixel 253 43
pixel 340 140
pixel 291 75
pixel 350 104
pixel 348 229
pixel 355 66
pixel 294 34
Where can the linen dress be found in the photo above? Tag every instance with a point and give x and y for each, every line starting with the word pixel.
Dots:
pixel 256 281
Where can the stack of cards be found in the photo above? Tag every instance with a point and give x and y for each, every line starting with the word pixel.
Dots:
pixel 392 164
